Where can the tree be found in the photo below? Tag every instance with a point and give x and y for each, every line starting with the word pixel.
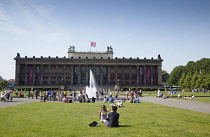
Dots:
pixel 190 67
pixel 193 80
pixel 175 75
pixel 200 81
pixel 165 76
pixel 193 75
pixel 181 81
pixel 187 80
pixel 3 84
pixel 207 81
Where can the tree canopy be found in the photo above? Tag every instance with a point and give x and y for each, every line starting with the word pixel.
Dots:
pixel 165 76
pixel 193 75
pixel 3 84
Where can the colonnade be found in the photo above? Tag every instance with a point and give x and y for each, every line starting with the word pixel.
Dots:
pixel 73 74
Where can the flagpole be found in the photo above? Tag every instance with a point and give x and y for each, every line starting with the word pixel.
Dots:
pixel 90 46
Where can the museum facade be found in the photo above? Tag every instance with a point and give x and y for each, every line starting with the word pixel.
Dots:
pixel 73 71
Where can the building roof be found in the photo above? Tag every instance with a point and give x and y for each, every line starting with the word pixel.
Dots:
pixel 11 80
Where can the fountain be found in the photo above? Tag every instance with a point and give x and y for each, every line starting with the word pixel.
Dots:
pixel 91 90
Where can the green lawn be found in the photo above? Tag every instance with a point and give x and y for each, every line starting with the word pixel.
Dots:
pixel 62 119
pixel 200 99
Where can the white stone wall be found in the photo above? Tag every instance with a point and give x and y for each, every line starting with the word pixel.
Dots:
pixel 90 55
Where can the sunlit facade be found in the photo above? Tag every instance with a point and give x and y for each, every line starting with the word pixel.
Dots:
pixel 74 70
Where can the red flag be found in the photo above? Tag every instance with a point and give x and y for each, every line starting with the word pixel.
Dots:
pixel 93 44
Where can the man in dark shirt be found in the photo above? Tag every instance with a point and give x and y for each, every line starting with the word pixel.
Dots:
pixel 113 118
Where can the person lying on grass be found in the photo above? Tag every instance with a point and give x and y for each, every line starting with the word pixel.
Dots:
pixel 118 103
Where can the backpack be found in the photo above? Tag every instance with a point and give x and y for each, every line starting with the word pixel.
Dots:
pixel 94 124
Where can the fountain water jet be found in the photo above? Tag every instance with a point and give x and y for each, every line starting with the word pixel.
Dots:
pixel 91 89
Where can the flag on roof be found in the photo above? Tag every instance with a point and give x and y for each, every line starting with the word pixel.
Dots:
pixel 93 44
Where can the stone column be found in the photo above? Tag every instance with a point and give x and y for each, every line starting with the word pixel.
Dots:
pixel 17 74
pixel 41 74
pixel 108 73
pixel 115 73
pixel 101 74
pixel 138 74
pixel 79 75
pixel 49 69
pixel 64 74
pixel 130 73
pixel 144 73
pixel 123 74
pixel 72 74
pixel 34 70
pixel 87 78
pixel 26 74
pixel 152 74
pixel 160 74
pixel 56 74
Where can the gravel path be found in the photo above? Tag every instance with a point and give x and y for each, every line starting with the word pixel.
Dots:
pixel 185 104
pixel 17 101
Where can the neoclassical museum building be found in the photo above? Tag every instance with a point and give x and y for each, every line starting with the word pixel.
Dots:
pixel 73 71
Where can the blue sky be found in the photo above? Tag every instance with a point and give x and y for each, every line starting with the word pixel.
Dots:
pixel 178 30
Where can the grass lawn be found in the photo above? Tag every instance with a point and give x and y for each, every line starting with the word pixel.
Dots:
pixel 62 119
pixel 200 99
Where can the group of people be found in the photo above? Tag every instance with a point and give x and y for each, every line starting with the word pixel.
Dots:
pixel 134 96
pixel 57 96
pixel 31 94
pixel 72 96
pixel 111 119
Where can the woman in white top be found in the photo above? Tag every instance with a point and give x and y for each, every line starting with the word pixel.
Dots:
pixel 103 113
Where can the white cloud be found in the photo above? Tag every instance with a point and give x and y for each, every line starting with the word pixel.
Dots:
pixel 44 10
pixel 6 22
pixel 3 15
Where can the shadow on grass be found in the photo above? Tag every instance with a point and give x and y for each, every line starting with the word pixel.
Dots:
pixel 125 125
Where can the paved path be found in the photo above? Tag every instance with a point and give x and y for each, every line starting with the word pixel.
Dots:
pixel 16 101
pixel 185 104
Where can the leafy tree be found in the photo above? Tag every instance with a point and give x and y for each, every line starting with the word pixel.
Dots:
pixel 207 81
pixel 187 80
pixel 193 80
pixel 193 75
pixel 181 80
pixel 3 84
pixel 189 68
pixel 165 76
pixel 200 81
pixel 175 75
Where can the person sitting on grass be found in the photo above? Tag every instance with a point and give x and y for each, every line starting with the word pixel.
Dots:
pixel 93 100
pixel 88 100
pixel 113 117
pixel 105 99
pixel 64 100
pixel 70 100
pixel 137 100
pixel 164 96
pixel 44 98
pixel 103 113
pixel 21 95
pixel 111 100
